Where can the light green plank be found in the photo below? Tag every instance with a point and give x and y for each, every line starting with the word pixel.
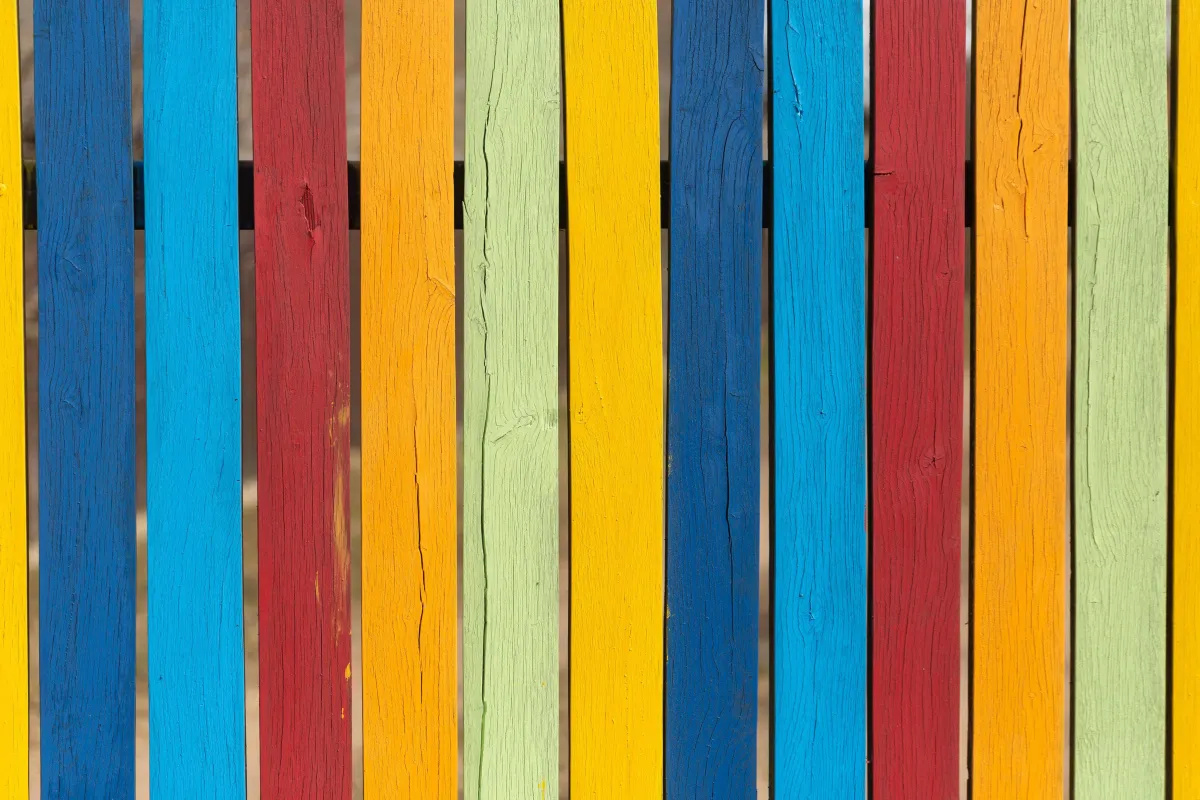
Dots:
pixel 510 447
pixel 1121 309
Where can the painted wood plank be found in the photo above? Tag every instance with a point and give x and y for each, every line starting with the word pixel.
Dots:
pixel 617 448
pixel 820 469
pixel 1120 436
pixel 1185 685
pixel 1022 142
pixel 302 293
pixel 510 434
pixel 918 248
pixel 410 490
pixel 713 398
pixel 87 551
pixel 14 590
pixel 193 400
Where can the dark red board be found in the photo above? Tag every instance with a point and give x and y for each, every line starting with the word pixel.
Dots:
pixel 917 396
pixel 303 328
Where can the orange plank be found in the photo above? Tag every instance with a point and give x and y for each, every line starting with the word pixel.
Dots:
pixel 1022 141
pixel 409 491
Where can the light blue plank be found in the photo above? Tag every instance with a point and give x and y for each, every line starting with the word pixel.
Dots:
pixel 820 399
pixel 193 403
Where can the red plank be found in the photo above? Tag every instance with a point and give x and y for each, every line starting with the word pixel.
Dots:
pixel 302 296
pixel 917 390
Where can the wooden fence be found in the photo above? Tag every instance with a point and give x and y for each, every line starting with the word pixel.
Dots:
pixel 1084 601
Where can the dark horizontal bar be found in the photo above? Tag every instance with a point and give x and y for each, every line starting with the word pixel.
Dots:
pixel 246 195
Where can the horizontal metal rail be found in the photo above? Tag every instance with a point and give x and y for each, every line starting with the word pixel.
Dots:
pixel 353 184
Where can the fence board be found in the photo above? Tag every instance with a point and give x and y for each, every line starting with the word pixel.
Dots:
pixel 409 440
pixel 1121 279
pixel 193 401
pixel 820 500
pixel 510 436
pixel 1022 130
pixel 87 548
pixel 1185 686
pixel 14 594
pixel 302 297
pixel 616 336
pixel 917 405
pixel 713 398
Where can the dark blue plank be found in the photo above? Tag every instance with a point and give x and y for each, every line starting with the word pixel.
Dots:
pixel 819 307
pixel 713 404
pixel 85 398
pixel 193 401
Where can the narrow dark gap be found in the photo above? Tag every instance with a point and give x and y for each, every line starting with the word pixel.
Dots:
pixel 1069 733
pixel 768 301
pixel 969 435
pixel 1172 284
pixel 869 382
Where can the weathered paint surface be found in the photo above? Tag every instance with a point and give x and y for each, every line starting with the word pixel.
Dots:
pixel 14 627
pixel 713 398
pixel 86 390
pixel 1120 436
pixel 918 245
pixel 1185 689
pixel 510 435
pixel 302 295
pixel 616 336
pixel 410 493
pixel 1022 134
pixel 193 401
pixel 820 470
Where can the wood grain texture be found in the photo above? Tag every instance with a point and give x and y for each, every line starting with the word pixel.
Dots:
pixel 410 490
pixel 193 401
pixel 1120 436
pixel 510 434
pixel 1022 135
pixel 820 470
pixel 87 549
pixel 1185 686
pixel 302 296
pixel 617 454
pixel 713 398
pixel 14 593
pixel 917 395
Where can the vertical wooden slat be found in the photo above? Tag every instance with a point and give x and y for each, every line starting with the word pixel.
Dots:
pixel 14 628
pixel 820 471
pixel 917 401
pixel 713 398
pixel 410 534
pixel 617 490
pixel 1185 688
pixel 510 437
pixel 193 401
pixel 1120 436
pixel 302 297
pixel 1022 134
pixel 86 546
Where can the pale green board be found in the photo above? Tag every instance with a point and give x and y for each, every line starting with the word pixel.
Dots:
pixel 510 372
pixel 1121 313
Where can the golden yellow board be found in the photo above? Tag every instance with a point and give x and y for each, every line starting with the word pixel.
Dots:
pixel 615 310
pixel 14 634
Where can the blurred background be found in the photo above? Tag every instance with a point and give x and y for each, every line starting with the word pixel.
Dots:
pixel 249 425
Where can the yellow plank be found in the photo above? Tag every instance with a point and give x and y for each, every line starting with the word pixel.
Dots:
pixel 14 634
pixel 612 134
pixel 409 489
pixel 1022 140
pixel 1186 632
